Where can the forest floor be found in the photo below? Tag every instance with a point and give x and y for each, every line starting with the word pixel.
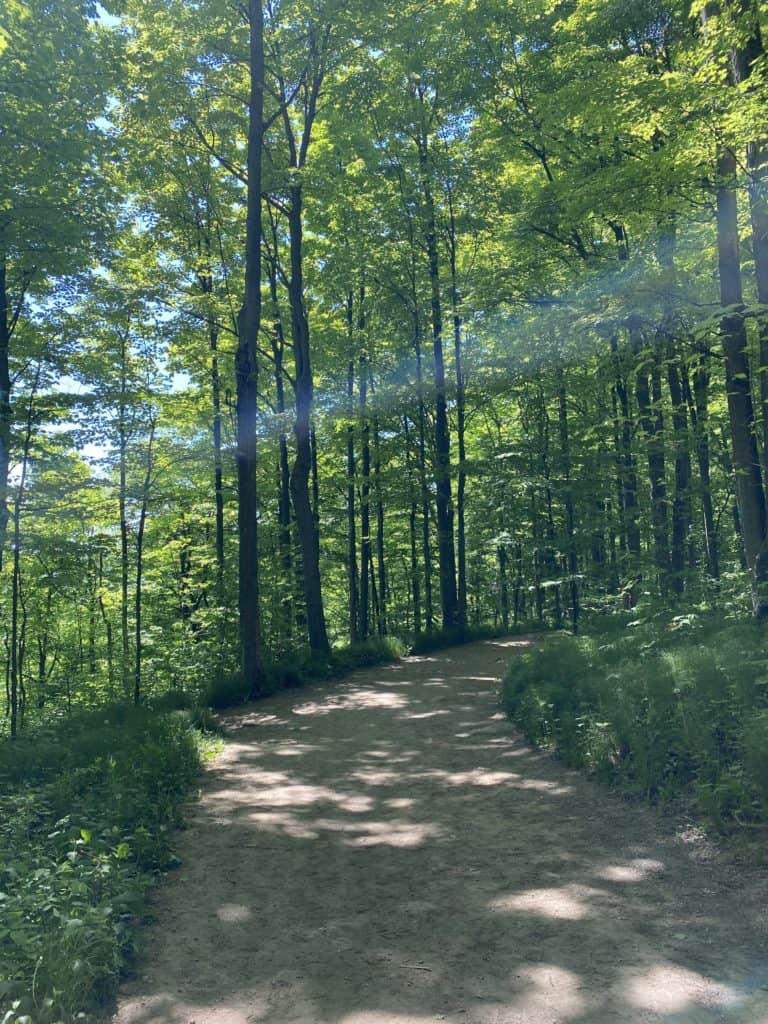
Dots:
pixel 389 851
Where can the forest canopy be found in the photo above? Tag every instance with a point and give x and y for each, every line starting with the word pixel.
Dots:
pixel 322 322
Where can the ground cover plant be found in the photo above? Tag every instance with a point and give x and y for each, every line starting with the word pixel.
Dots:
pixel 661 706
pixel 88 806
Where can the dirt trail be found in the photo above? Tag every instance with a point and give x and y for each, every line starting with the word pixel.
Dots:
pixel 389 851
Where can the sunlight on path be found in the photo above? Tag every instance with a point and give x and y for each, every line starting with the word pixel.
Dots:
pixel 389 851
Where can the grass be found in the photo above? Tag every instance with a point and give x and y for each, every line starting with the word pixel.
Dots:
pixel 664 709
pixel 88 805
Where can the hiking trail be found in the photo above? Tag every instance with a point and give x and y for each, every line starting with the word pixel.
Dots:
pixel 388 850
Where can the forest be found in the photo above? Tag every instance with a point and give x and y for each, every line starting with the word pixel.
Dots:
pixel 332 331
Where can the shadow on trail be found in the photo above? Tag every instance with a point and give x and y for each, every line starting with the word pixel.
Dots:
pixel 391 852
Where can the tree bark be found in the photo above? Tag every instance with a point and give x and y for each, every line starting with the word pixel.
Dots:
pixel 681 505
pixel 443 501
pixel 698 403
pixel 749 487
pixel 380 558
pixel 653 428
pixel 140 565
pixel 246 372
pixel 570 527
pixel 122 431
pixel 365 499
pixel 461 481
pixel 5 402
pixel 353 599
pixel 746 465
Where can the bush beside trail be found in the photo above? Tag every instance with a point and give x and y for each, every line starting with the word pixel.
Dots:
pixel 661 710
pixel 88 806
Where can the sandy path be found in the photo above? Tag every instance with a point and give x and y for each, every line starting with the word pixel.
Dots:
pixel 389 851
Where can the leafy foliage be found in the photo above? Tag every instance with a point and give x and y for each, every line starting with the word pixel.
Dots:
pixel 88 806
pixel 660 709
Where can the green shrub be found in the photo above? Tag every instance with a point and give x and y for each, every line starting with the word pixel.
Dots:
pixel 84 827
pixel 227 691
pixel 660 707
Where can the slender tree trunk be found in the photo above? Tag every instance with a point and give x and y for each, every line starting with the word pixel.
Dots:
pixel 681 506
pixel 122 429
pixel 218 475
pixel 351 472
pixel 140 566
pixel 107 627
pixel 570 528
pixel 302 466
pixel 315 492
pixel 246 371
pixel 16 681
pixel 501 555
pixel 426 547
pixel 380 560
pixel 698 404
pixel 628 475
pixel 91 617
pixel 443 501
pixel 412 533
pixel 284 470
pixel 365 502
pixel 5 402
pixel 653 429
pixel 461 482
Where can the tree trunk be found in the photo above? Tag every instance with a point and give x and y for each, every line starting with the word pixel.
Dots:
pixel 461 482
pixel 140 565
pixel 5 403
pixel 246 372
pixel 122 429
pixel 653 428
pixel 570 529
pixel 698 404
pixel 501 555
pixel 443 502
pixel 681 505
pixel 426 548
pixel 628 475
pixel 351 516
pixel 412 517
pixel 365 500
pixel 284 471
pixel 748 480
pixel 380 560
pixel 16 681
pixel 746 465
pixel 302 467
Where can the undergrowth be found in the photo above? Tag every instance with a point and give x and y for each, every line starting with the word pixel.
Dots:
pixel 436 640
pixel 303 668
pixel 664 709
pixel 88 805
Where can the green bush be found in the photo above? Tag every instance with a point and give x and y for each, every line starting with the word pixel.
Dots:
pixel 659 707
pixel 87 810
pixel 226 691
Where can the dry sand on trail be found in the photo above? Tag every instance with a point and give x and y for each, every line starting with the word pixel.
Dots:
pixel 390 851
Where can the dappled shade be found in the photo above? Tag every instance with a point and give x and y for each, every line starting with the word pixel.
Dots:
pixel 355 861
